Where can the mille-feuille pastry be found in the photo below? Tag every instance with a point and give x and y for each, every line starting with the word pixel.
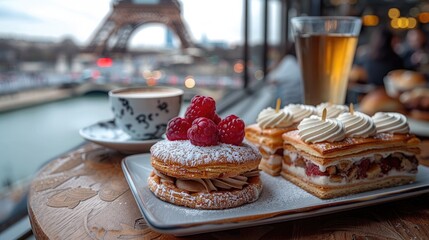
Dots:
pixel 336 157
pixel 205 165
pixel 266 135
pixel 333 110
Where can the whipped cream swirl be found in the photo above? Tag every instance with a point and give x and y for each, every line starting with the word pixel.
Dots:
pixel 299 111
pixel 269 118
pixel 357 124
pixel 332 110
pixel 208 185
pixel 389 122
pixel 314 129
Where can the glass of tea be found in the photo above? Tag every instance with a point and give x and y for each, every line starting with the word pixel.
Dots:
pixel 325 49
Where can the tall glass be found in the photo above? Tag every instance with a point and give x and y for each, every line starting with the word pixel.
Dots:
pixel 325 48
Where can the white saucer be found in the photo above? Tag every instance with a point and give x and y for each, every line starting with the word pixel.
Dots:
pixel 107 134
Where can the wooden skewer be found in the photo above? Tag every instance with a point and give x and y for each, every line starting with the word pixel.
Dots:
pixel 278 103
pixel 324 113
pixel 352 109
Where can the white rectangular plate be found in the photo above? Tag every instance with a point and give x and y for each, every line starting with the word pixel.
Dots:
pixel 280 201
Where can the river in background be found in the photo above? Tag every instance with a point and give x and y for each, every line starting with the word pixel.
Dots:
pixel 31 136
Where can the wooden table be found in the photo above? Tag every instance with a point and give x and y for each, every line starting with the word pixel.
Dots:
pixel 84 195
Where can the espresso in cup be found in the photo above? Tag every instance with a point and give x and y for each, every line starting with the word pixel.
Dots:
pixel 143 113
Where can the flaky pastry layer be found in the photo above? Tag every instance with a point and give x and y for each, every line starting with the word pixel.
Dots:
pixel 181 159
pixel 272 169
pixel 213 200
pixel 352 146
pixel 327 192
pixel 269 137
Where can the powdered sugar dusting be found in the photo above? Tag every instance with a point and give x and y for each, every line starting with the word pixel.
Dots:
pixel 184 153
pixel 278 196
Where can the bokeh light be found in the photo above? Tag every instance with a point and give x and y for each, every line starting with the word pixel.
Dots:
pixel 394 13
pixel 259 75
pixel 394 23
pixel 238 67
pixel 412 22
pixel 104 62
pixel 151 81
pixel 403 23
pixel 424 17
pixel 370 20
pixel 190 82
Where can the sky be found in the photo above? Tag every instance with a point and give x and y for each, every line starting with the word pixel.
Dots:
pixel 216 20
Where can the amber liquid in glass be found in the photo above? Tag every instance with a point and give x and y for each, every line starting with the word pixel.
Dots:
pixel 325 64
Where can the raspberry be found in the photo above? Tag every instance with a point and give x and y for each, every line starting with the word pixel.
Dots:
pixel 200 106
pixel 216 119
pixel 395 162
pixel 231 130
pixel 177 129
pixel 203 132
pixel 385 166
pixel 313 170
pixel 363 168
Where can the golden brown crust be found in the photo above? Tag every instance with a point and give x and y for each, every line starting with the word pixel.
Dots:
pixel 327 192
pixel 272 169
pixel 270 137
pixel 213 170
pixel 181 159
pixel 214 200
pixel 351 146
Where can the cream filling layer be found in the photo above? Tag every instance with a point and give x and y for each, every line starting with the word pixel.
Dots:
pixel 208 185
pixel 294 156
pixel 325 181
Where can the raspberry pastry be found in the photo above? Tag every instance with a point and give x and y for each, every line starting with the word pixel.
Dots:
pixel 354 153
pixel 266 134
pixel 205 165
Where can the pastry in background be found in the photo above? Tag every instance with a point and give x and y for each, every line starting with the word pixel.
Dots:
pixel 379 101
pixel 399 81
pixel 417 103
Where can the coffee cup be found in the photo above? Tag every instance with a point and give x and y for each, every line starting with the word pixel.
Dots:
pixel 143 112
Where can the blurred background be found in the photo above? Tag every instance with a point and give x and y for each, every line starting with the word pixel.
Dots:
pixel 58 59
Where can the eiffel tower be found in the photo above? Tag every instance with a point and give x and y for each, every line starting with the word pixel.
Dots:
pixel 128 15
